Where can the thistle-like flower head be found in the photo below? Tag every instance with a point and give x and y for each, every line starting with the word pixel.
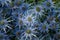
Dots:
pixel 38 9
pixel 5 23
pixel 44 27
pixel 29 33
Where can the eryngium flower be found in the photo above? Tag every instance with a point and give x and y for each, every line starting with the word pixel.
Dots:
pixel 5 23
pixel 44 27
pixel 29 34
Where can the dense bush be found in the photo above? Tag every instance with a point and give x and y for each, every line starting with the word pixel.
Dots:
pixel 29 20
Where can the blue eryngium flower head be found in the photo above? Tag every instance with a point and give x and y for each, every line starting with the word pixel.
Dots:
pixel 44 27
pixel 26 19
pixel 50 19
pixel 5 23
pixel 48 4
pixel 24 7
pixel 29 34
pixel 54 26
pixel 38 10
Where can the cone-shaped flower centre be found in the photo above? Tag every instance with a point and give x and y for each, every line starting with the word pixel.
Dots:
pixel 29 19
pixel 28 31
pixel 44 27
pixel 37 9
pixel 2 22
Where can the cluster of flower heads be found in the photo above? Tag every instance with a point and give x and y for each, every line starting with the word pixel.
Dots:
pixel 29 20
